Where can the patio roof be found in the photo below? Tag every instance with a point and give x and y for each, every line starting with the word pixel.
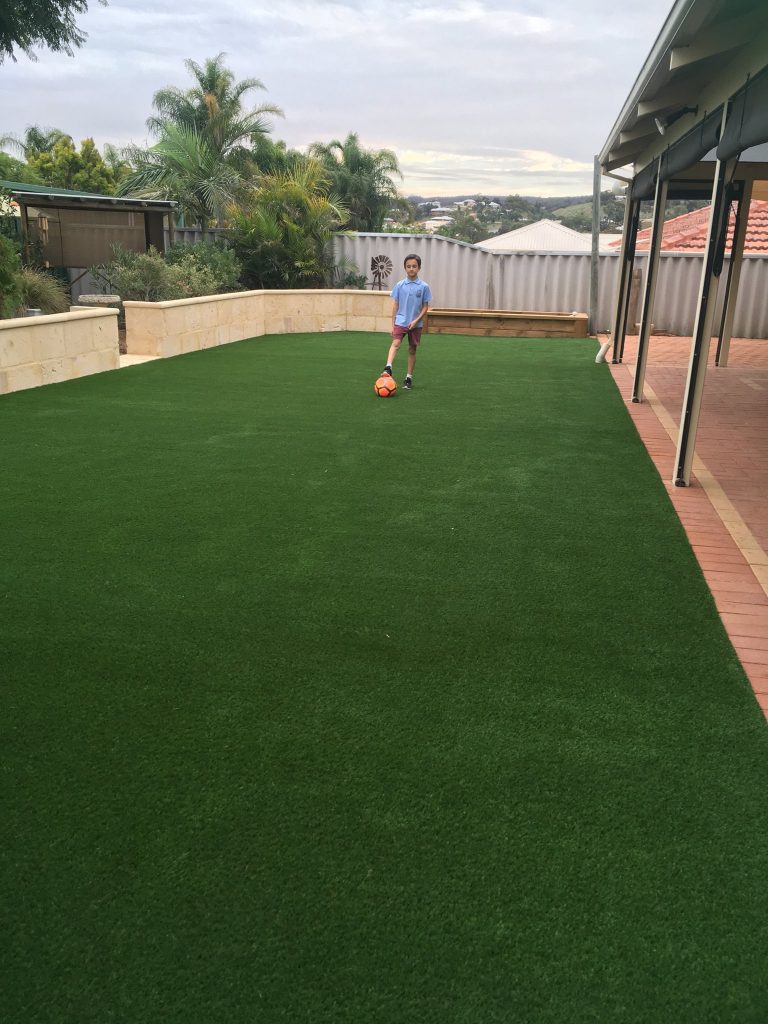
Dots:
pixel 695 125
pixel 705 52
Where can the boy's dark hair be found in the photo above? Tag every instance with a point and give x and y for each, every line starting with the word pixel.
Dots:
pixel 412 256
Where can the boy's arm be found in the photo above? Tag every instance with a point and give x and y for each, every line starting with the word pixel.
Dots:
pixel 394 311
pixel 422 311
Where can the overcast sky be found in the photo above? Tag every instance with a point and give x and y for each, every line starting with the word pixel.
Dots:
pixel 492 96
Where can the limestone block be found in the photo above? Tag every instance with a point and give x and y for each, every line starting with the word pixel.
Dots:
pixel 4 386
pixel 384 324
pixel 253 328
pixel 170 346
pixel 26 375
pixel 50 341
pixel 85 364
pixel 193 341
pixel 362 323
pixel 329 305
pixel 108 359
pixel 19 346
pixel 60 368
pixel 80 337
pixel 332 323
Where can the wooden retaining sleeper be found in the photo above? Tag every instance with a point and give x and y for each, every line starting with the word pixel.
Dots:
pixel 504 323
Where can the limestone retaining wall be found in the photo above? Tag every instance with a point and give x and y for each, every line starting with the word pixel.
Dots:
pixel 187 325
pixel 44 349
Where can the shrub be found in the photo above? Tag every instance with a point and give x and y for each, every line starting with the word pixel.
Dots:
pixel 221 262
pixel 10 288
pixel 148 277
pixel 41 290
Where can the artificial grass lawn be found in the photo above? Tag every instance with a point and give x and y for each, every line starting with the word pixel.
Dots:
pixel 321 707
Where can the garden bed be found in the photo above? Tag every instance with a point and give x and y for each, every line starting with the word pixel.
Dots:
pixel 504 323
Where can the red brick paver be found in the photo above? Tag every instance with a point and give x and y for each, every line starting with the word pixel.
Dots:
pixel 725 510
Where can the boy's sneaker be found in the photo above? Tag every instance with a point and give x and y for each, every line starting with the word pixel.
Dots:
pixel 408 383
pixel 387 371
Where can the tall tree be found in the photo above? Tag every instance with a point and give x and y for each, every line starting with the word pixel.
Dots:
pixel 213 107
pixel 35 140
pixel 362 178
pixel 25 24
pixel 203 157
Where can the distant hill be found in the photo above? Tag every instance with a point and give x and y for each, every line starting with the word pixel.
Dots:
pixel 546 202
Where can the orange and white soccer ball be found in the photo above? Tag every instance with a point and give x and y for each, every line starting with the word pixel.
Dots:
pixel 385 386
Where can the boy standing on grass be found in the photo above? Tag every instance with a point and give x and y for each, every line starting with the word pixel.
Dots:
pixel 411 299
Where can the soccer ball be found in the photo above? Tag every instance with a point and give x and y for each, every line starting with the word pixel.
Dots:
pixel 385 386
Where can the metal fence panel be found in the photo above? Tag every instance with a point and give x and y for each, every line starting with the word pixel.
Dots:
pixel 462 276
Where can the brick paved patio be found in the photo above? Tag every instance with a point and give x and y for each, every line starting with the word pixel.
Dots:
pixel 725 511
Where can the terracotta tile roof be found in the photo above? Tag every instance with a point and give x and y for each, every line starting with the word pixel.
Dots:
pixel 689 232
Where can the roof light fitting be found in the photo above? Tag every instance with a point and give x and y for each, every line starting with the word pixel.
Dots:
pixel 666 121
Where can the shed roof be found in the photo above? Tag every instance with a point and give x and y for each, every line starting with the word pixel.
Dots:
pixel 51 195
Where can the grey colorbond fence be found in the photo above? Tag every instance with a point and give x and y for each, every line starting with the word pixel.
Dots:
pixel 463 276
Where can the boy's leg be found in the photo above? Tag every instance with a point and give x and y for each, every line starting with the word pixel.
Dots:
pixel 414 337
pixel 411 359
pixel 397 336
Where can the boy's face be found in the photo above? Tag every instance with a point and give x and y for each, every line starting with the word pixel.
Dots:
pixel 411 269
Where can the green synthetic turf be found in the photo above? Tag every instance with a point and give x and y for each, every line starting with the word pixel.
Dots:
pixel 318 707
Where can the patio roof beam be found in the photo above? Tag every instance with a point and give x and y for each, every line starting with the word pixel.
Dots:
pixel 649 293
pixel 697 368
pixel 718 38
pixel 676 95
pixel 626 267
pixel 734 276
pixel 643 129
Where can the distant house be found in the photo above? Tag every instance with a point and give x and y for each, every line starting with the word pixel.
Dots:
pixel 544 236
pixel 688 233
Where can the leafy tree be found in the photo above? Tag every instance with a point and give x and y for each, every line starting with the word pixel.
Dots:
pixel 10 288
pixel 362 179
pixel 25 24
pixel 272 156
pixel 283 239
pixel 12 169
pixel 65 167
pixel 465 227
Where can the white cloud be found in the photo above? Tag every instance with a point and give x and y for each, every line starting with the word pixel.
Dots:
pixel 502 93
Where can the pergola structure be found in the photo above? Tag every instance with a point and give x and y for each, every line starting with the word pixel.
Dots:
pixel 694 126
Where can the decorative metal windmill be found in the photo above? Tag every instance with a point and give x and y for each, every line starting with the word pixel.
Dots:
pixel 381 268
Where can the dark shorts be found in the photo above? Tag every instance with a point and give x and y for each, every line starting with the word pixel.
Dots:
pixel 414 335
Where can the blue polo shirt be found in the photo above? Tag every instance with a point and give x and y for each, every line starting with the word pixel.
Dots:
pixel 410 297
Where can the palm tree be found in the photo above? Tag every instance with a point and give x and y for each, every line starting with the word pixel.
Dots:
pixel 36 140
pixel 203 157
pixel 283 238
pixel 213 107
pixel 362 178
pixel 184 166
